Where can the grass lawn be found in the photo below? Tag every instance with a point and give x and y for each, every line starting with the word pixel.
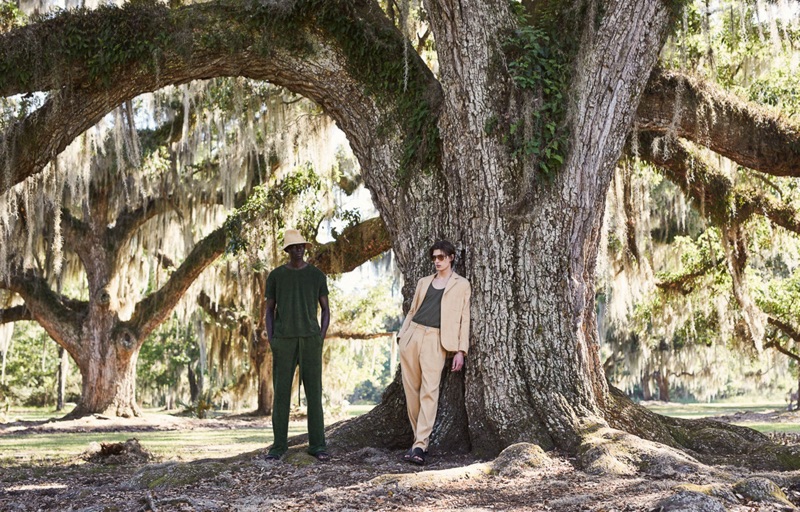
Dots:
pixel 186 444
pixel 698 410
pixel 730 407
pixel 166 445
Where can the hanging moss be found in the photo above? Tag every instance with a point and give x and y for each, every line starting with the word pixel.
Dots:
pixel 271 202
pixel 375 57
pixel 676 8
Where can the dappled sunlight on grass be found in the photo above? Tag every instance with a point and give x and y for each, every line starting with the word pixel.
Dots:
pixel 34 413
pixel 358 410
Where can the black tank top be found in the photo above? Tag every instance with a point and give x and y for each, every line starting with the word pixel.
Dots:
pixel 429 313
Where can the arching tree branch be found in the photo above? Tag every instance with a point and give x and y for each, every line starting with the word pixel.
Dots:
pixel 684 284
pixel 129 220
pixel 785 328
pixel 356 245
pixel 714 192
pixel 306 47
pixel 702 113
pixel 58 315
pixel 154 309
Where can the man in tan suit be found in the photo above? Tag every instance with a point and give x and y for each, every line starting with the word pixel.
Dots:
pixel 437 323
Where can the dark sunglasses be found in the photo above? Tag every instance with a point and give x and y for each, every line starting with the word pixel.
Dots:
pixel 438 257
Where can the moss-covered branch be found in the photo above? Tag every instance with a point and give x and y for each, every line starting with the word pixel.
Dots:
pixel 156 307
pixel 15 314
pixel 356 245
pixel 58 315
pixel 786 329
pixel 345 56
pixel 715 194
pixel 129 220
pixel 684 283
pixel 698 111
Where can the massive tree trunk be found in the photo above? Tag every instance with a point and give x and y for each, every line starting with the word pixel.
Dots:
pixel 108 384
pixel 527 244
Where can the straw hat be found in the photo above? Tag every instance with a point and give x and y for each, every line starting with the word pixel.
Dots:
pixel 292 237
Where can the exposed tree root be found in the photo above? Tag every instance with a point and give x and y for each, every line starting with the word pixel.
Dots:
pixel 614 452
pixel 113 410
pixel 708 441
pixel 513 461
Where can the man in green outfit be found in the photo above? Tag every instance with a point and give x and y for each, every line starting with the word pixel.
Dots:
pixel 295 336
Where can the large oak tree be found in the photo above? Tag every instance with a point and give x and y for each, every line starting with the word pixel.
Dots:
pixel 508 151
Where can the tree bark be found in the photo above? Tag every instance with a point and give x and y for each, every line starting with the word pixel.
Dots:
pixel 533 371
pixel 63 368
pixel 356 244
pixel 647 394
pixel 677 105
pixel 194 389
pixel 662 379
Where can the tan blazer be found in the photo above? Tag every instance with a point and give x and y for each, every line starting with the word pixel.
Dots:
pixel 454 332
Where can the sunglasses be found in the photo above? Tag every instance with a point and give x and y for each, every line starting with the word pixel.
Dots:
pixel 439 257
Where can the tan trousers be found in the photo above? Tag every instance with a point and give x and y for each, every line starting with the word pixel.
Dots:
pixel 421 361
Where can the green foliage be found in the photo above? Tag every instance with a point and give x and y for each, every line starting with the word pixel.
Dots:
pixel 694 253
pixel 201 408
pixel 163 361
pixel 359 370
pixel 366 392
pixel 373 311
pixel 109 39
pixel 350 218
pixel 780 297
pixel 539 63
pixel 10 17
pixel 728 43
pixel 271 203
pixel 32 368
pixel 779 89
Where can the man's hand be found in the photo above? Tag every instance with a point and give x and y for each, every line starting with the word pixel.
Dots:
pixel 458 361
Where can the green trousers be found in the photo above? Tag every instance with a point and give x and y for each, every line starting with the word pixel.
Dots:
pixel 287 354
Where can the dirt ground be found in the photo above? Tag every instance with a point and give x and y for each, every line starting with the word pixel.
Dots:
pixel 366 479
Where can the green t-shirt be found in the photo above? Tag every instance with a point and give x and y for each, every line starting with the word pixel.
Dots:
pixel 296 294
